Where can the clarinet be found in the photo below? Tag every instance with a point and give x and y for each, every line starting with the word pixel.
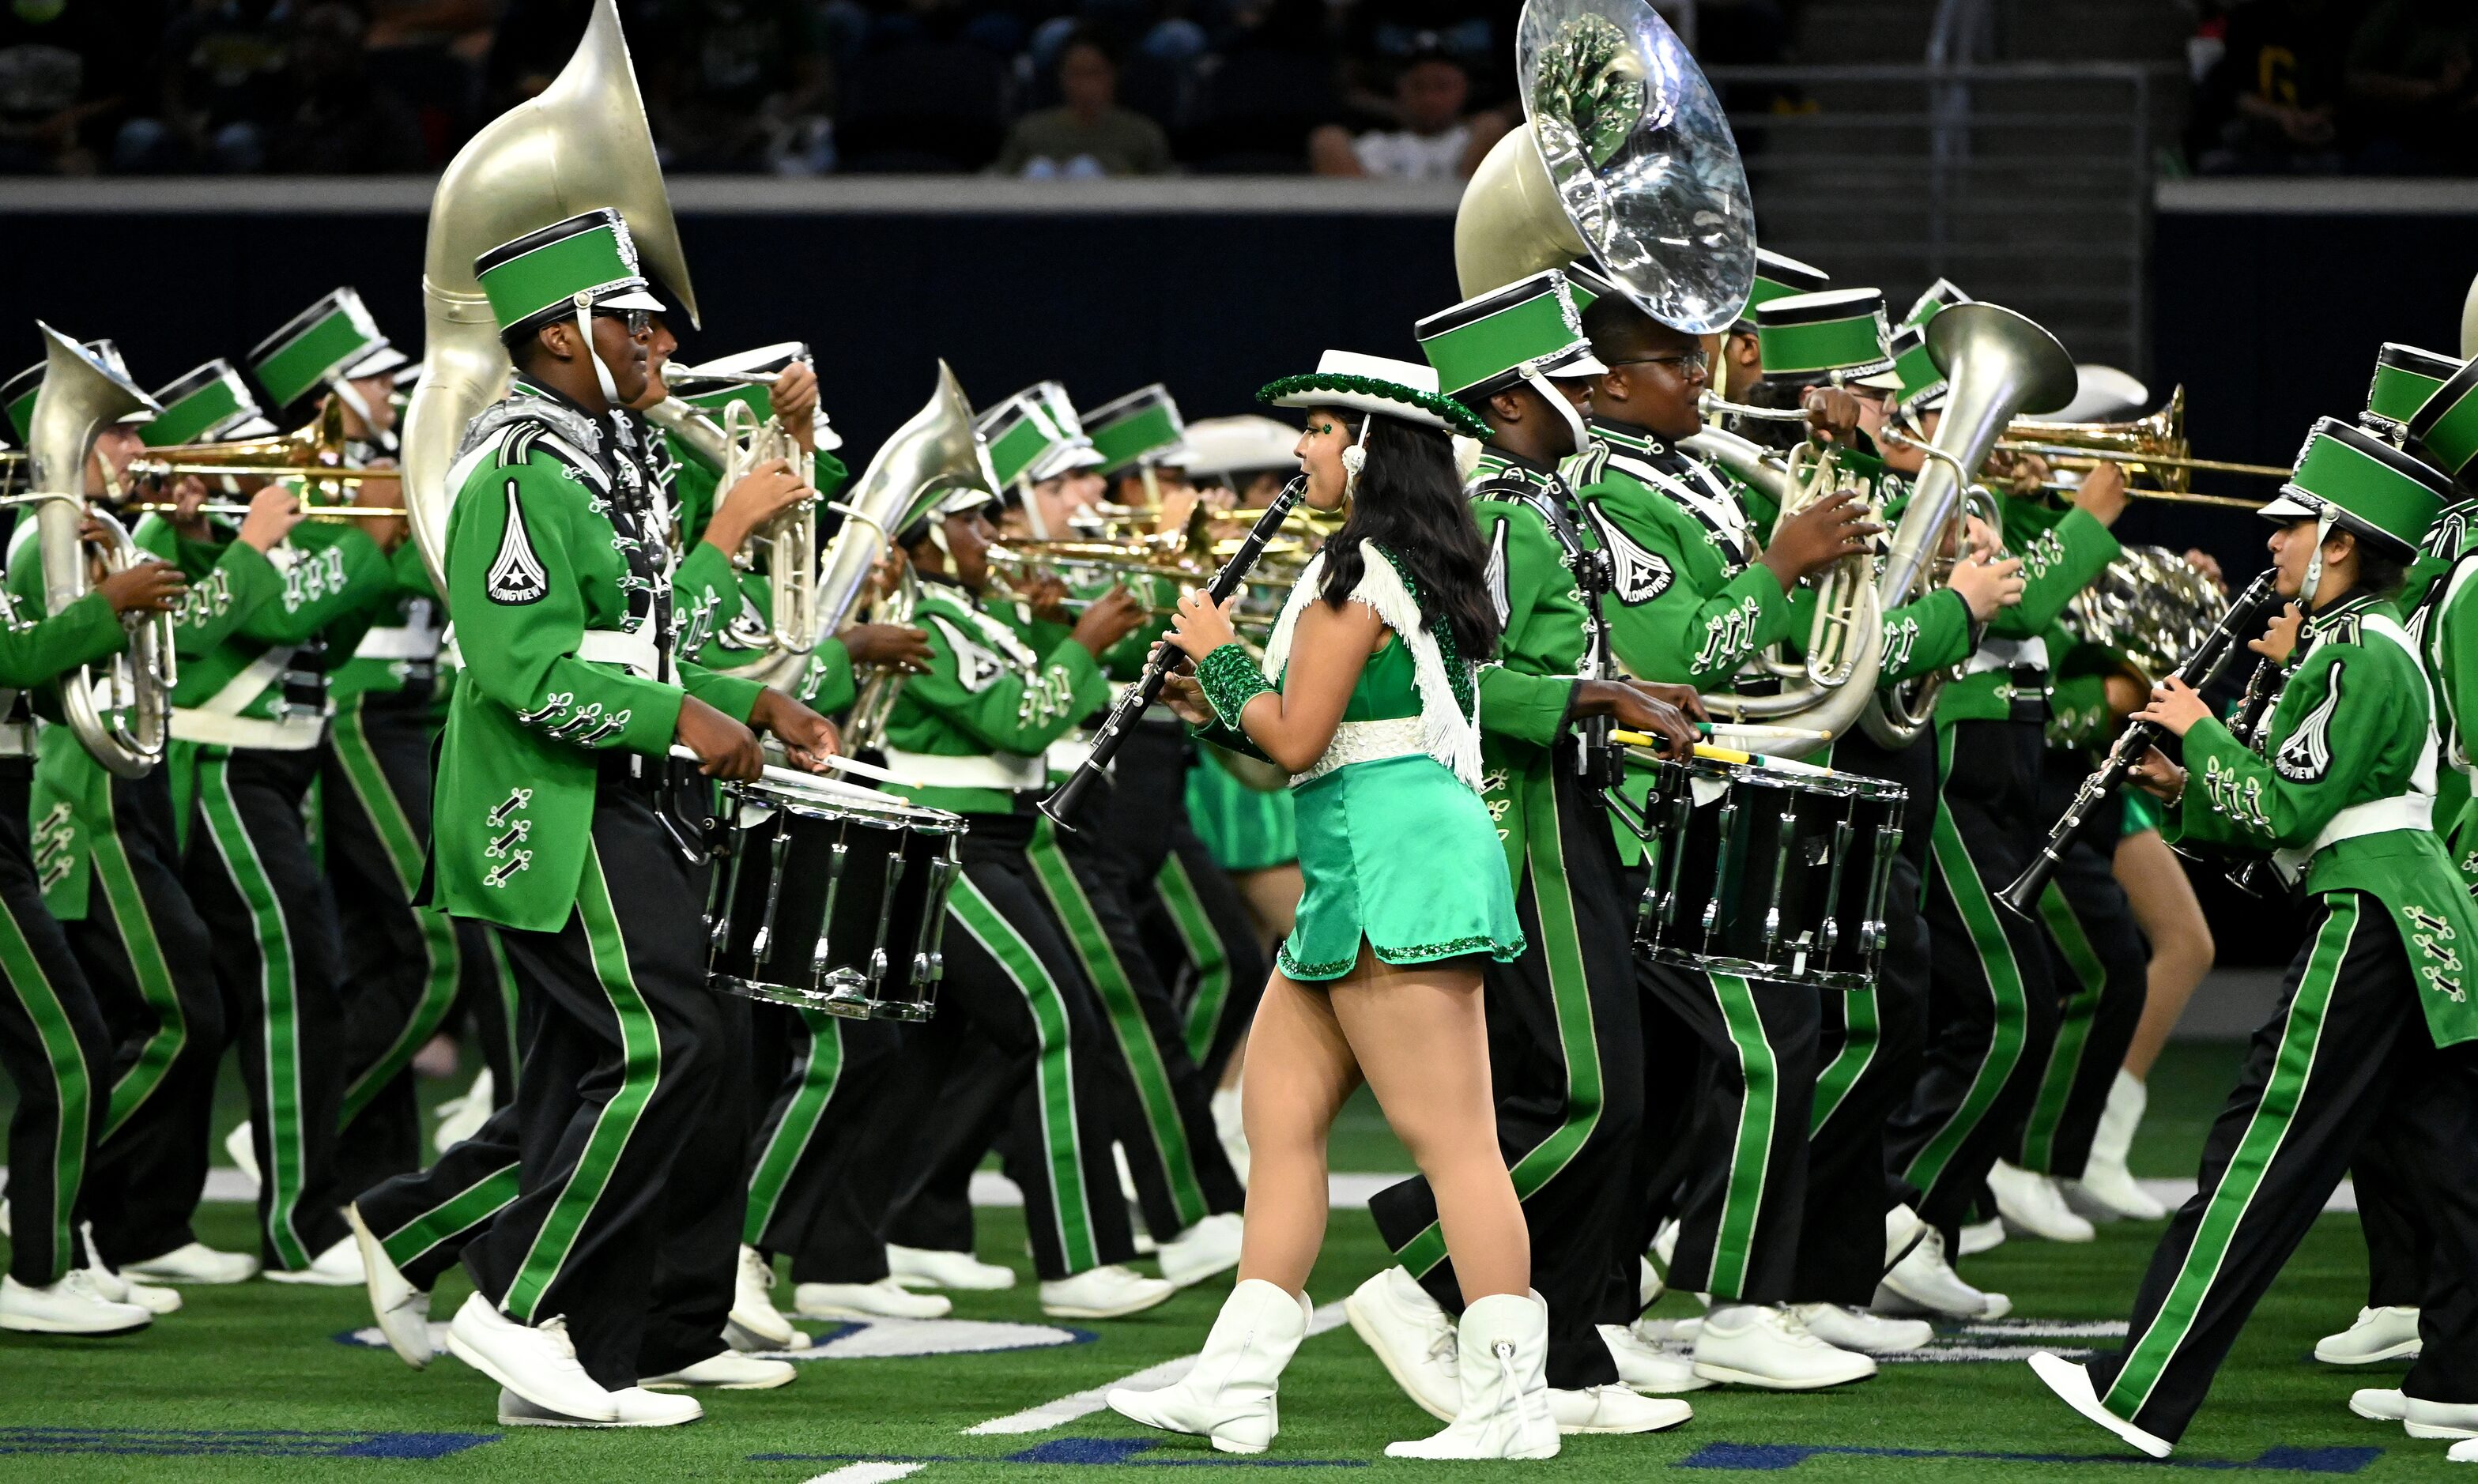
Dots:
pixel 2201 668
pixel 1060 806
pixel 2262 689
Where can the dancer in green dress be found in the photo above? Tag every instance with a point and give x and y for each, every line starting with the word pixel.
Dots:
pixel 1381 978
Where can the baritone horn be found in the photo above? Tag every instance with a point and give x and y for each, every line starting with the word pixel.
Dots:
pixel 582 143
pixel 122 714
pixel 740 443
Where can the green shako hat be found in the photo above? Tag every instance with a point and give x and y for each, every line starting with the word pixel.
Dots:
pixel 1376 384
pixel 587 263
pixel 1836 337
pixel 2364 483
pixel 2405 377
pixel 1941 295
pixel 1034 436
pixel 1142 427
pixel 1780 277
pixel 201 407
pixel 1922 383
pixel 1533 326
pixel 2444 427
pixel 316 347
pixel 1584 278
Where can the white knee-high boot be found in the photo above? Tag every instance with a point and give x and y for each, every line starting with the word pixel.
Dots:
pixel 1229 1396
pixel 1502 1347
pixel 2105 1179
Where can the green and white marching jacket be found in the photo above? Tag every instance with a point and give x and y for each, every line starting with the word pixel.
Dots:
pixel 973 728
pixel 559 586
pixel 2061 551
pixel 726 612
pixel 2344 791
pixel 2445 629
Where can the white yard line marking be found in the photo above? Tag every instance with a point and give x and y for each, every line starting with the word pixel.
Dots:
pixel 867 1473
pixel 1084 1403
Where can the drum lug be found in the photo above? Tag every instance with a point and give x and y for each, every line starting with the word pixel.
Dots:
pixel 877 956
pixel 761 949
pixel 832 987
pixel 1729 824
pixel 1780 878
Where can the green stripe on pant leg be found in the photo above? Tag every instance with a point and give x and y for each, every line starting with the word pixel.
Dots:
pixel 1091 943
pixel 2147 1357
pixel 475 1203
pixel 1205 952
pixel 108 859
pixel 1054 1067
pixel 73 1091
pixel 278 1000
pixel 392 824
pixel 2008 1024
pixel 1751 1152
pixel 1570 997
pixel 2073 1029
pixel 822 1066
pixel 1861 1036
pixel 641 1045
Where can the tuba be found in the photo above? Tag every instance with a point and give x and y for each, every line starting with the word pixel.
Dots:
pixel 124 716
pixel 930 457
pixel 583 144
pixel 1998 363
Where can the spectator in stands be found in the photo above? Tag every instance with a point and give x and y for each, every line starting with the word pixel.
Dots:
pixel 2271 103
pixel 62 83
pixel 341 122
pixel 1088 133
pixel 739 85
pixel 221 72
pixel 2413 87
pixel 1434 138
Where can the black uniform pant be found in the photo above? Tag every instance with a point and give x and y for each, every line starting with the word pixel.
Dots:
pixel 1992 1004
pixel 2101 967
pixel 426 1218
pixel 249 871
pixel 834 1146
pixel 148 955
pixel 54 1048
pixel 2345 1059
pixel 627 1061
pixel 1566 1060
pixel 2398 1240
pixel 1018 1054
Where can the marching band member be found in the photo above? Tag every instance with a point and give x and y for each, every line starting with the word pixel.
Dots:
pixel 1742 349
pixel 1565 1035
pixel 2373 1036
pixel 1367 694
pixel 562 823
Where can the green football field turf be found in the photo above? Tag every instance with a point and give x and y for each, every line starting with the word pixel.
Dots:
pixel 259 1370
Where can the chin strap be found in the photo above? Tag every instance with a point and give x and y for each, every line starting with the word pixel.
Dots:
pixel 585 333
pixel 1530 371
pixel 2314 563
pixel 1033 520
pixel 385 437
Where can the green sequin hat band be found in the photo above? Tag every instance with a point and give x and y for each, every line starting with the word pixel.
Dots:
pixel 2368 486
pixel 1376 384
pixel 205 405
pixel 316 346
pixel 589 259
pixel 1484 344
pixel 1142 427
pixel 1836 337
pixel 1035 436
pixel 1780 277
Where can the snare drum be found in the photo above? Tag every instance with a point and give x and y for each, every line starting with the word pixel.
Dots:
pixel 1771 875
pixel 834 899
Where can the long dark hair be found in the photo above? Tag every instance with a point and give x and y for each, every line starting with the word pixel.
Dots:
pixel 1410 502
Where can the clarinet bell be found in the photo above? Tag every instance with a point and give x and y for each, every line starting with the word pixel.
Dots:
pixel 1060 807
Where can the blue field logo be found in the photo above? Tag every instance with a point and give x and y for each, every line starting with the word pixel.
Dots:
pixel 874 1340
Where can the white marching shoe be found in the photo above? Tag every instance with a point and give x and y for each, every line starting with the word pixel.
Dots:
pixel 116 1289
pixel 195 1261
pixel 461 1118
pixel 755 1324
pixel 2030 1201
pixel 2379 1405
pixel 933 1268
pixel 1981 1236
pixel 1856 1329
pixel 2387 1333
pixel 883 1299
pixel 1503 1345
pixel 1923 1281
pixel 1644 1366
pixel 2105 1182
pixel 534 1362
pixel 402 1310
pixel 2464 1452
pixel 1106 1293
pixel 69 1307
pixel 243 1154
pixel 1204 1249
pixel 1414 1337
pixel 337 1267
pixel 1615 1408
pixel 1230 1394
pixel 2425 1418
pixel 630 1407
pixel 1765 1345
pixel 730 1371
pixel 2072 1385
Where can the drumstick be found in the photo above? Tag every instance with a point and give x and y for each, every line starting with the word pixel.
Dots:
pixel 798 779
pixel 1754 733
pixel 1730 755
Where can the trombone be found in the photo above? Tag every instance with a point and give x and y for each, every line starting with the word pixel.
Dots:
pixel 2156 444
pixel 311 454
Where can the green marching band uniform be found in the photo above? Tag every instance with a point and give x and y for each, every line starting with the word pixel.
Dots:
pixel 2371 1044
pixel 110 865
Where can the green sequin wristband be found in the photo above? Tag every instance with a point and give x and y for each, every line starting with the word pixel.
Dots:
pixel 1231 680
